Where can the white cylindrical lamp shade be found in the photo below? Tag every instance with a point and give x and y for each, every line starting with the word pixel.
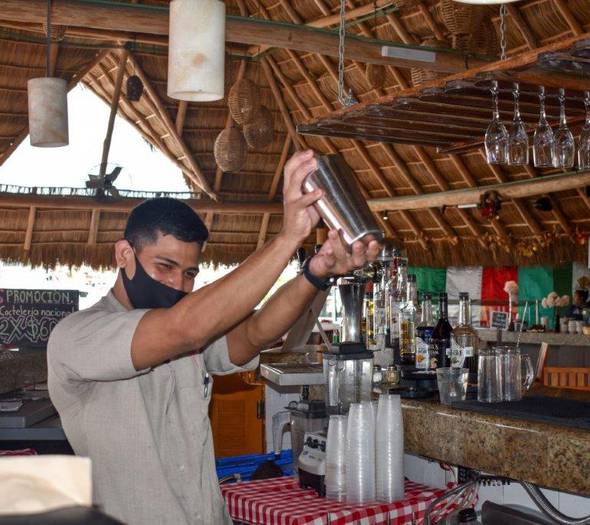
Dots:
pixel 196 50
pixel 48 112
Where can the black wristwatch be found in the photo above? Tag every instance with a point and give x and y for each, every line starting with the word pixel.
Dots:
pixel 318 282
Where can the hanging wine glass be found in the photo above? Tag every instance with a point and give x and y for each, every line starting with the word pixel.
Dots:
pixel 565 146
pixel 496 139
pixel 584 147
pixel 543 140
pixel 518 140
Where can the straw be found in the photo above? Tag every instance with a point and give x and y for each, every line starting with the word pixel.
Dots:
pixel 526 305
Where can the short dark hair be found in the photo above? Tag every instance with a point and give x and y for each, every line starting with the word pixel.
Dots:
pixel 165 216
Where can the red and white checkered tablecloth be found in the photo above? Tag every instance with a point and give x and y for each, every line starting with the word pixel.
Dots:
pixel 280 501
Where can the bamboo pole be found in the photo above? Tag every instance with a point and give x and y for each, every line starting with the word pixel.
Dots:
pixel 30 226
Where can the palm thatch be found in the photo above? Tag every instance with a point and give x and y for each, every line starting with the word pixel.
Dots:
pixel 305 84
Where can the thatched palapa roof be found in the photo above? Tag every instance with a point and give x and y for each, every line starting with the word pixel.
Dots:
pixel 412 133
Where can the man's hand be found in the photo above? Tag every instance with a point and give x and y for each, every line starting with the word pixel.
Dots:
pixel 334 259
pixel 299 216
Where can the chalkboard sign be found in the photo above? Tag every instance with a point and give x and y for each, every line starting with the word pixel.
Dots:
pixel 500 320
pixel 27 317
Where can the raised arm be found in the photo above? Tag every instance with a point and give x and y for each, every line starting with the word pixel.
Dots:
pixel 219 307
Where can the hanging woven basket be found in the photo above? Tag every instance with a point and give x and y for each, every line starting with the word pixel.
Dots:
pixel 259 132
pixel 485 41
pixel 230 150
pixel 461 19
pixel 243 101
pixel 420 75
pixel 375 75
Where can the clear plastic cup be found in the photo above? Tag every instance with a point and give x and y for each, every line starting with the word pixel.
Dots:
pixel 336 458
pixel 389 470
pixel 360 454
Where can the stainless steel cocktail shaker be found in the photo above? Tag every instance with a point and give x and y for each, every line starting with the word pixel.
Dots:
pixel 342 206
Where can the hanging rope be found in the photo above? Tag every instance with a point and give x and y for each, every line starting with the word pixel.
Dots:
pixel 503 44
pixel 48 58
pixel 346 99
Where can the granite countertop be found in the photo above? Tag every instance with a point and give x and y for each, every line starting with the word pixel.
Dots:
pixel 549 455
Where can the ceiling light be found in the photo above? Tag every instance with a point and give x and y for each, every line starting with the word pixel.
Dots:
pixel 196 50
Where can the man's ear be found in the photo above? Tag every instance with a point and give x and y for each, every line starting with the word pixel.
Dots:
pixel 124 254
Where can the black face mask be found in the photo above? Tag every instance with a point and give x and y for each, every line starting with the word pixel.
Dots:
pixel 145 292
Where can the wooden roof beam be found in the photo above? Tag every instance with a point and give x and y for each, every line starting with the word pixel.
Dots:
pixel 509 190
pixel 243 30
pixel 522 26
pixel 569 17
pixel 274 186
pixel 29 231
pixel 125 205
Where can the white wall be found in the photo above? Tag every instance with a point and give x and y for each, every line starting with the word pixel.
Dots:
pixel 421 470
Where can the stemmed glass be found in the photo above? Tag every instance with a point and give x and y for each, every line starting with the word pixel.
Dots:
pixel 584 147
pixel 518 140
pixel 565 146
pixel 496 139
pixel 543 140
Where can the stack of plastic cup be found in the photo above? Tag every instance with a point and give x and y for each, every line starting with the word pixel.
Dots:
pixel 336 458
pixel 360 454
pixel 389 444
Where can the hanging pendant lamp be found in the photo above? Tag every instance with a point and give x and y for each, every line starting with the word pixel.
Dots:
pixel 196 50
pixel 48 104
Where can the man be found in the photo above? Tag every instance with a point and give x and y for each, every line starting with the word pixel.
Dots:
pixel 130 376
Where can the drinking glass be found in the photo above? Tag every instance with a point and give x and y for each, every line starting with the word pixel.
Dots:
pixel 584 147
pixel 513 381
pixel 518 140
pixel 496 138
pixel 565 146
pixel 543 139
pixel 489 375
pixel 452 384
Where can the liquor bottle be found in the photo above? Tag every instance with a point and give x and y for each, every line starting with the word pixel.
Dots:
pixel 369 316
pixel 424 331
pixel 465 339
pixel 379 324
pixel 396 297
pixel 441 336
pixel 407 324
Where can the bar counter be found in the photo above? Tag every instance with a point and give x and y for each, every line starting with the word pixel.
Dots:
pixel 549 455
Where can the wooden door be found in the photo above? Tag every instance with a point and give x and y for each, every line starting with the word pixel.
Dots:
pixel 237 416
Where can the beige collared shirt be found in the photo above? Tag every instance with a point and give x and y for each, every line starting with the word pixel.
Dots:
pixel 147 433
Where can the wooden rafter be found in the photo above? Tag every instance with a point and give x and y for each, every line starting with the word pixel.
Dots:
pixel 274 185
pixel 243 30
pixel 93 229
pixel 180 117
pixel 140 122
pixel 25 200
pixel 514 190
pixel 30 226
pixel 122 55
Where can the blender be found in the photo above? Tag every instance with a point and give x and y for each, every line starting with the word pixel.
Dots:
pixel 348 366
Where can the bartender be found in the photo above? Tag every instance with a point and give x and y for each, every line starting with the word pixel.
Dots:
pixel 131 376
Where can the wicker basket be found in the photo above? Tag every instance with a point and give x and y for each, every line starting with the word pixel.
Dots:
pixel 420 75
pixel 243 101
pixel 375 75
pixel 461 19
pixel 230 149
pixel 259 132
pixel 485 41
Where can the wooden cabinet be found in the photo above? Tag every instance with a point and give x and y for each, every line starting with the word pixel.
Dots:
pixel 237 415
